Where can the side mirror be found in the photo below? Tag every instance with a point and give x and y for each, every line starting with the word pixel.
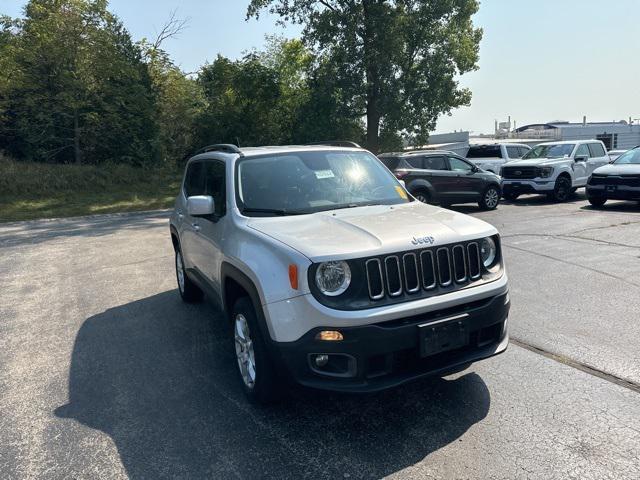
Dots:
pixel 200 205
pixel 581 158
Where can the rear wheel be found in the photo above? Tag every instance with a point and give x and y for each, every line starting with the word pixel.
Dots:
pixel 422 196
pixel 189 291
pixel 561 190
pixel 510 196
pixel 490 198
pixel 597 201
pixel 255 367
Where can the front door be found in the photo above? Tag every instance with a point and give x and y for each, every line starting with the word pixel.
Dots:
pixel 210 230
pixel 580 166
pixel 468 184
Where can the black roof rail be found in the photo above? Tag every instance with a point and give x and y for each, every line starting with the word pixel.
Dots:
pixel 220 147
pixel 337 143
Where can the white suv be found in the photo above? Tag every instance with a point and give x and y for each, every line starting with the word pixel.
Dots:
pixel 331 274
pixel 556 169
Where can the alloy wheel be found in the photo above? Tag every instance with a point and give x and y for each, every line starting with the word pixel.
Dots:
pixel 244 350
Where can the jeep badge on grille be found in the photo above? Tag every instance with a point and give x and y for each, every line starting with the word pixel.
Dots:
pixel 423 241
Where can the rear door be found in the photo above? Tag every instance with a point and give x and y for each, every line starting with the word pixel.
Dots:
pixel 597 158
pixel 437 172
pixel 468 184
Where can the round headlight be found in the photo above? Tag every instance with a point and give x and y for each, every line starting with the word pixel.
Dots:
pixel 488 251
pixel 333 278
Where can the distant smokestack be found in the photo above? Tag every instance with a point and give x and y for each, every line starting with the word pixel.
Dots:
pixel 584 120
pixel 495 128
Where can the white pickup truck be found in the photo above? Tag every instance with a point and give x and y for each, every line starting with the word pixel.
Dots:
pixel 492 157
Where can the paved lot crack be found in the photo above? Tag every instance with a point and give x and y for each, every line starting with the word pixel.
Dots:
pixel 583 367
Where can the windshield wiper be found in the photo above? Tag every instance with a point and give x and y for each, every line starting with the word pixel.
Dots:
pixel 275 211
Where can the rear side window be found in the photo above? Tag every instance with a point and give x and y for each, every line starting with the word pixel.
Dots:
pixel 523 151
pixel 484 151
pixel 514 152
pixel 215 185
pixel 435 163
pixel 194 180
pixel 415 162
pixel 596 150
pixel 390 162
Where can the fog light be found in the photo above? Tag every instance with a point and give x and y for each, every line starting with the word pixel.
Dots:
pixel 321 360
pixel 329 336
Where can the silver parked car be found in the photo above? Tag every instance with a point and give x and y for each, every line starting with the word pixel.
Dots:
pixel 331 274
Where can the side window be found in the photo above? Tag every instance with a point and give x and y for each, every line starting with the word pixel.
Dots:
pixel 435 163
pixel 194 180
pixel 523 151
pixel 582 150
pixel 514 152
pixel 596 150
pixel 415 162
pixel 459 165
pixel 216 186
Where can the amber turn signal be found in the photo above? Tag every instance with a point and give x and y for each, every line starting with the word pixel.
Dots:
pixel 293 276
pixel 329 336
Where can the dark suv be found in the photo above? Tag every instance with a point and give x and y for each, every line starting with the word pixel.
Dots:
pixel 444 178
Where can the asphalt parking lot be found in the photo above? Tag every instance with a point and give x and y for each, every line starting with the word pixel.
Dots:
pixel 104 373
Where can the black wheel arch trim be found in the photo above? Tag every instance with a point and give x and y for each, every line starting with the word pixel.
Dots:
pixel 421 184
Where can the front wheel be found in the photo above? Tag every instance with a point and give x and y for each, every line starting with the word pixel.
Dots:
pixel 422 196
pixel 597 201
pixel 189 291
pixel 490 198
pixel 561 190
pixel 257 373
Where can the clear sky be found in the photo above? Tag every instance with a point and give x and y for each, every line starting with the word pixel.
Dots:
pixel 540 60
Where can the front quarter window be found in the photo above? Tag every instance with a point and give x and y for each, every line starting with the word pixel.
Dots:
pixel 312 181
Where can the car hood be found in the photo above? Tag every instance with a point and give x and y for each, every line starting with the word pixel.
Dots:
pixel 536 162
pixel 373 230
pixel 613 169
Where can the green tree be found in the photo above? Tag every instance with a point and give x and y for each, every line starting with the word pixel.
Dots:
pixel 396 61
pixel 81 91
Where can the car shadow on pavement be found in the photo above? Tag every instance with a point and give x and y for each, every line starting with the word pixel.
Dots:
pixel 158 377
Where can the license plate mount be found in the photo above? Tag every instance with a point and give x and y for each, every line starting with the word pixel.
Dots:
pixel 612 188
pixel 442 336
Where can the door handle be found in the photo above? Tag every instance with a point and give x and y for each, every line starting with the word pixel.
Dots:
pixel 196 227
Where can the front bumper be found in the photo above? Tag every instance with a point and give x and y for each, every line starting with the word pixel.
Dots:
pixel 387 354
pixel 527 186
pixel 613 192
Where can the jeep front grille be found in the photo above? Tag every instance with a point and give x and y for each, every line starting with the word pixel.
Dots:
pixel 447 267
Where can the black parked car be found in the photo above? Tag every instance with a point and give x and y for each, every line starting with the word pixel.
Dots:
pixel 620 180
pixel 444 178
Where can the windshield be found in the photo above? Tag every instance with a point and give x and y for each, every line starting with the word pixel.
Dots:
pixel 308 182
pixel 550 151
pixel 632 157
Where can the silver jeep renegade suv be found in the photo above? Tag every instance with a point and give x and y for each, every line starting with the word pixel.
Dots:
pixel 331 274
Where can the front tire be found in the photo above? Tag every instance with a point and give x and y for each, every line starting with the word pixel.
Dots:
pixel 255 367
pixel 597 201
pixel 189 291
pixel 490 198
pixel 561 190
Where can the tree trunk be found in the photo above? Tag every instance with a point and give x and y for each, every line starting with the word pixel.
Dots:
pixel 371 70
pixel 373 122
pixel 76 138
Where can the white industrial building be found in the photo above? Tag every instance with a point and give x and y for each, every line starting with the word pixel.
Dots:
pixel 615 135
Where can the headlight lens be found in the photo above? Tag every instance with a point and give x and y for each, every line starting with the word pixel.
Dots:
pixel 488 251
pixel 545 172
pixel 333 278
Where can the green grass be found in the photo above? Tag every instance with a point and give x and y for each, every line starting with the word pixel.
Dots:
pixel 30 190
